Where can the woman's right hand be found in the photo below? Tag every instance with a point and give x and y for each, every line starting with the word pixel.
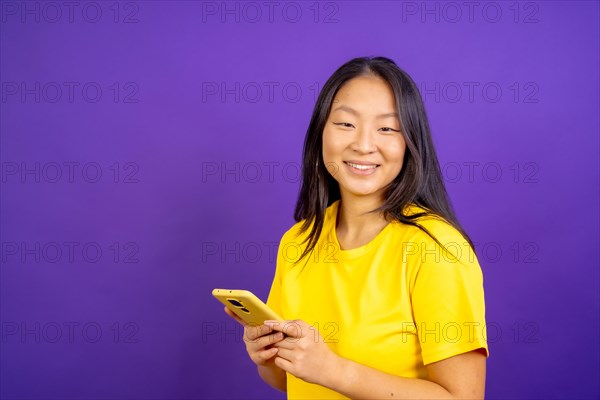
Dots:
pixel 259 340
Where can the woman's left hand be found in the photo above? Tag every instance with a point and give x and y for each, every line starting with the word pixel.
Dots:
pixel 304 353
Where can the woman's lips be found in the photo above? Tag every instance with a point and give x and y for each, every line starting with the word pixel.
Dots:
pixel 361 168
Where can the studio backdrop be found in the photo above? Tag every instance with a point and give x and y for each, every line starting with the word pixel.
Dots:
pixel 150 152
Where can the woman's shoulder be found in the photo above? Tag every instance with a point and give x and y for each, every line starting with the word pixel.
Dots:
pixel 295 233
pixel 418 242
pixel 432 222
pixel 300 230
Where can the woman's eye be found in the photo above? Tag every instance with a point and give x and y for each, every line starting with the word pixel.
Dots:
pixel 349 125
pixel 344 124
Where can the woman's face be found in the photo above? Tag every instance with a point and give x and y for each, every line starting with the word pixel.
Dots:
pixel 363 146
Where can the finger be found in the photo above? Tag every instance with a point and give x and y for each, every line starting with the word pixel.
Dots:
pixel 287 343
pixel 252 332
pixel 283 364
pixel 267 354
pixel 265 341
pixel 289 328
pixel 232 315
pixel 285 354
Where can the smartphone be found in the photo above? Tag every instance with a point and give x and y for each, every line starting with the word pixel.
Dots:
pixel 246 305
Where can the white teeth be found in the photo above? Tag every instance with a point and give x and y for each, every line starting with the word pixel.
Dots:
pixel 361 167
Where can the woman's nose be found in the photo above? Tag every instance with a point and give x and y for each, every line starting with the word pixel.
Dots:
pixel 364 141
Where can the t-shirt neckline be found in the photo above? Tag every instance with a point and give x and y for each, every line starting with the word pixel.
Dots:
pixel 357 251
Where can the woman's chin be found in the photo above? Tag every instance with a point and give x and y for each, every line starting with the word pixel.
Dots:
pixel 361 192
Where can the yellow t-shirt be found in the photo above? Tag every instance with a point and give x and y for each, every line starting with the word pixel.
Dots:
pixel 395 304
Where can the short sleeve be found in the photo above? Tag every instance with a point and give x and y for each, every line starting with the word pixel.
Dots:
pixel 448 298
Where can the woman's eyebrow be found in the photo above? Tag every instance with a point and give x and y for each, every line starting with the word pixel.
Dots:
pixel 353 111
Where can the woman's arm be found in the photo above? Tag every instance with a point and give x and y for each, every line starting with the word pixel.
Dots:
pixel 273 376
pixel 458 377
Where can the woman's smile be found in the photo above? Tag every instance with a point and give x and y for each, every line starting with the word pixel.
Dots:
pixel 361 168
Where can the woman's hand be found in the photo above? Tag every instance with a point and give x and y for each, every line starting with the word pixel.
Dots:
pixel 259 340
pixel 304 353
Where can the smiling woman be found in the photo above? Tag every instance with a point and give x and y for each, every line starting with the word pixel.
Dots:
pixel 376 305
pixel 361 141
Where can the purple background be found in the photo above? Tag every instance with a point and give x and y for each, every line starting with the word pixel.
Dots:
pixel 199 179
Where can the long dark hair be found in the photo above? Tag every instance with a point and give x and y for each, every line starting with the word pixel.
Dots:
pixel 420 180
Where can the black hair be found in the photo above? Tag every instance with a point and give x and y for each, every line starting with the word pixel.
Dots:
pixel 420 180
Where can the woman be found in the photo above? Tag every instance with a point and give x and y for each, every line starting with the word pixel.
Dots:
pixel 379 284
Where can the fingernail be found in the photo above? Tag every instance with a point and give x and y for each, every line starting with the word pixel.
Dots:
pixel 270 322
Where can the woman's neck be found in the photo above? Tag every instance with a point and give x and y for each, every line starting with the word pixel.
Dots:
pixel 355 223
